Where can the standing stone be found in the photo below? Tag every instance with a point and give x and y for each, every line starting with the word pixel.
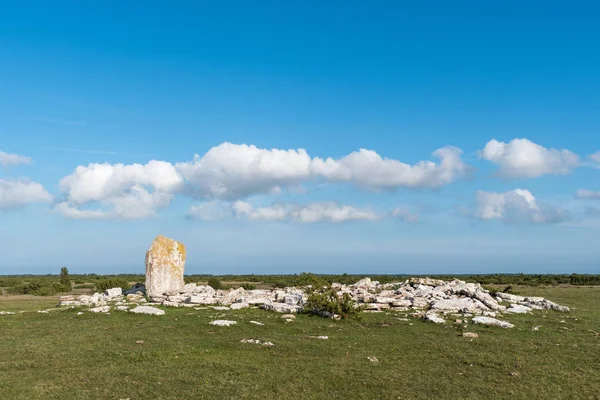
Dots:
pixel 165 263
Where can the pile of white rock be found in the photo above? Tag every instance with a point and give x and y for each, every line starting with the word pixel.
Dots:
pixel 433 298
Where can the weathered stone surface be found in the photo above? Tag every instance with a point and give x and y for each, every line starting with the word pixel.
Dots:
pixel 471 335
pixel 232 296
pixel 165 264
pixel 433 317
pixel 135 298
pixel 281 307
pixel 256 341
pixel 239 306
pixel 7 313
pixel 201 299
pixel 518 309
pixel 492 322
pixel 147 310
pixel 114 292
pixel 103 309
pixel 222 322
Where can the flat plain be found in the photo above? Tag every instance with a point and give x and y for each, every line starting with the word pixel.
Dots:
pixel 62 355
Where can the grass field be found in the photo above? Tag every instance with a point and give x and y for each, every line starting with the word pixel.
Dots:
pixel 64 356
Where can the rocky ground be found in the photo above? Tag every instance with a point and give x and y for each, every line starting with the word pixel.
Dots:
pixel 432 300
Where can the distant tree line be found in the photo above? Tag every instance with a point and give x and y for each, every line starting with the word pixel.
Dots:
pixel 47 285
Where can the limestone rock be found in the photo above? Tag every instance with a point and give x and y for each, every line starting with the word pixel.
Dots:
pixel 492 322
pixel 103 309
pixel 223 322
pixel 518 309
pixel 165 264
pixel 239 306
pixel 114 292
pixel 148 310
pixel 433 317
pixel 471 335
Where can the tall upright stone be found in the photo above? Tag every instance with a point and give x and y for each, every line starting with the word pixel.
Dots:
pixel 165 263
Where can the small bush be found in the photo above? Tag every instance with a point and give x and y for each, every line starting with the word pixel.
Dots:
pixel 65 279
pixel 248 286
pixel 215 283
pixel 85 286
pixel 109 283
pixel 279 284
pixel 324 301
pixel 79 282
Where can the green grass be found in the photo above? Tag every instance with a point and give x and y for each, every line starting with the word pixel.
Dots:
pixel 65 356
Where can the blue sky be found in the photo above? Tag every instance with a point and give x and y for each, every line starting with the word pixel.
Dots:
pixel 277 101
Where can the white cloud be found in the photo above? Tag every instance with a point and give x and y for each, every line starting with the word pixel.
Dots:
pixel 518 205
pixel 367 169
pixel 119 191
pixel 15 194
pixel 230 171
pixel 313 212
pixel 595 157
pixel 587 194
pixel 522 158
pixel 12 160
pixel 404 214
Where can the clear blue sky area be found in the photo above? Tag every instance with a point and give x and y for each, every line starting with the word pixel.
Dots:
pixel 281 137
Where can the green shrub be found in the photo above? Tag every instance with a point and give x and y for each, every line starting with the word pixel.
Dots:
pixel 248 286
pixel 109 283
pixel 325 301
pixel 39 288
pixel 85 286
pixel 215 283
pixel 65 279
pixel 79 282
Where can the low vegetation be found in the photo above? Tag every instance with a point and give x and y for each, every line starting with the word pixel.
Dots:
pixel 387 355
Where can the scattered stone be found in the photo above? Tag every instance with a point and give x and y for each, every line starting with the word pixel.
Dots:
pixel 220 308
pixel 148 310
pixel 518 309
pixel 256 341
pixel 471 335
pixel 139 342
pixel 80 313
pixel 288 316
pixel 256 323
pixel 372 359
pixel 239 306
pixel 165 264
pixel 492 322
pixel 122 308
pixel 115 292
pixel 7 313
pixel 458 321
pixel 433 317
pixel 319 337
pixel 103 309
pixel 222 322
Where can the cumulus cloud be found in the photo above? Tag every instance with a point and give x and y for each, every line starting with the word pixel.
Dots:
pixel 587 194
pixel 119 191
pixel 522 158
pixel 595 157
pixel 15 194
pixel 230 171
pixel 405 214
pixel 518 205
pixel 12 160
pixel 313 212
pixel 367 169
